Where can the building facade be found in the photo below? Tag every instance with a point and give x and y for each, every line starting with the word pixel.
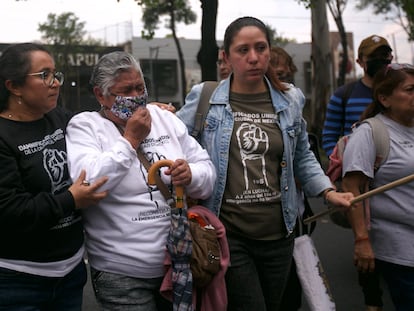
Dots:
pixel 159 61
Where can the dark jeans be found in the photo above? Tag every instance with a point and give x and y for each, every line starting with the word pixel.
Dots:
pixel 257 273
pixel 292 296
pixel 400 281
pixel 371 288
pixel 119 292
pixel 27 292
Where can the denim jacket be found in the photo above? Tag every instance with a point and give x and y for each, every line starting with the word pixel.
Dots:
pixel 298 161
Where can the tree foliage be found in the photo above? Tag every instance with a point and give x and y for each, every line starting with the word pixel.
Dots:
pixel 63 29
pixel 400 11
pixel 174 11
pixel 276 38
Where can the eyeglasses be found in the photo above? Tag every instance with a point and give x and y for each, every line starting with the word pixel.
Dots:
pixel 49 77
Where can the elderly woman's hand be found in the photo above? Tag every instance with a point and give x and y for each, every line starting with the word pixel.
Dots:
pixel 364 258
pixel 180 173
pixel 138 127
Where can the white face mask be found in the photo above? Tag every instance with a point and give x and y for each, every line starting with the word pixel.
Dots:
pixel 124 106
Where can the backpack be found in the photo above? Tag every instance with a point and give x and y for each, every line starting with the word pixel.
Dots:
pixel 381 140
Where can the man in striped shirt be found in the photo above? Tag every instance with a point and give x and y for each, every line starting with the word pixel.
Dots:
pixel 350 100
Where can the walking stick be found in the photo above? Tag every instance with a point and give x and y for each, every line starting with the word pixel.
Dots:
pixel 363 196
pixel 179 191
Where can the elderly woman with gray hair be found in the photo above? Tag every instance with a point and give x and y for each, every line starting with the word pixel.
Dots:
pixel 126 232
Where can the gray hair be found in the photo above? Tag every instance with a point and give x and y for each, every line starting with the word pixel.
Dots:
pixel 110 66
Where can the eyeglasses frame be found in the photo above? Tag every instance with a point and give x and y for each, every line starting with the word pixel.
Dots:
pixel 57 75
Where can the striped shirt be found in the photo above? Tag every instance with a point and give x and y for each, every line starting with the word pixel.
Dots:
pixel 338 121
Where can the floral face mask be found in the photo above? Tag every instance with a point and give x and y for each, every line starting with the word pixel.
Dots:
pixel 125 106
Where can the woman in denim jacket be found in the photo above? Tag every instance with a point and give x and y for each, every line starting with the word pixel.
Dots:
pixel 257 140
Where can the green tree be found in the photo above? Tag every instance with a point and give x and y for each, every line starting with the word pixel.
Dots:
pixel 176 11
pixel 276 38
pixel 64 29
pixel 399 11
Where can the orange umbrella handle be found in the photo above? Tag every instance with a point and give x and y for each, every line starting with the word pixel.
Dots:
pixel 179 191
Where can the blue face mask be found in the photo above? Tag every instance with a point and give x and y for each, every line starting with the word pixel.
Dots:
pixel 125 106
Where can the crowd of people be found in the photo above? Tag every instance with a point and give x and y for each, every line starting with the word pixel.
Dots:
pixel 344 109
pixel 76 185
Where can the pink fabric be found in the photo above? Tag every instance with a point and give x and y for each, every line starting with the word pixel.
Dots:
pixel 214 295
pixel 335 160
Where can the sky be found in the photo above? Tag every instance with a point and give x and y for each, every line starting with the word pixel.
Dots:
pixel 115 22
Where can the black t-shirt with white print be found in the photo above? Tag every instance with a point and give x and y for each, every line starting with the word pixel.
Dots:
pixel 38 221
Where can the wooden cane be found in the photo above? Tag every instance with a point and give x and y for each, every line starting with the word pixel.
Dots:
pixel 179 191
pixel 361 197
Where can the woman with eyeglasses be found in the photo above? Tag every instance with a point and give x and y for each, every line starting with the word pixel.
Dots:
pixel 41 234
pixel 384 237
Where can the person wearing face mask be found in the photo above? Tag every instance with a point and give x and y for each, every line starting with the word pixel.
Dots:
pixel 374 53
pixel 126 232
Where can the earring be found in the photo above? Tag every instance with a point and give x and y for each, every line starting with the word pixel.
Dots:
pixel 19 100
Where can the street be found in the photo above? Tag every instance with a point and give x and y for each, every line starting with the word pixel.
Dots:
pixel 335 247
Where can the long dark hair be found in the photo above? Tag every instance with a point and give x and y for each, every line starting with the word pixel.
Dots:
pixel 385 82
pixel 233 29
pixel 15 63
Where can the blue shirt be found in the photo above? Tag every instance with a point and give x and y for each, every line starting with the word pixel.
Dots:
pixel 339 119
pixel 298 161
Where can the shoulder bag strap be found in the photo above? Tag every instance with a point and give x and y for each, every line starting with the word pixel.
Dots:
pixel 161 186
pixel 141 157
pixel 203 106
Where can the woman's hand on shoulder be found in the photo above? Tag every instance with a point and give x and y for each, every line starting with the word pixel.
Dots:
pixel 170 107
pixel 86 194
